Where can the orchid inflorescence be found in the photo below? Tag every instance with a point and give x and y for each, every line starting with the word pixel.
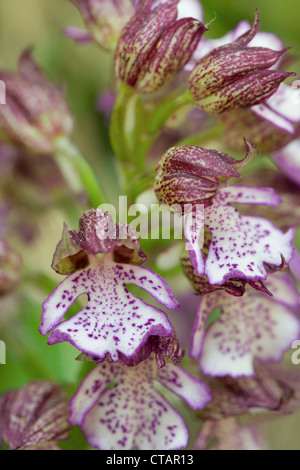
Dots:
pixel 179 105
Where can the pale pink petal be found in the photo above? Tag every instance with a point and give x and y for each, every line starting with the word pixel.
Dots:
pixel 286 102
pixel 265 112
pixel 230 434
pixel 79 35
pixel 190 9
pixel 241 245
pixel 193 232
pixel 94 385
pixel 178 381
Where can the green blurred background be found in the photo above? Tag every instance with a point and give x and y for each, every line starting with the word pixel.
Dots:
pixel 85 71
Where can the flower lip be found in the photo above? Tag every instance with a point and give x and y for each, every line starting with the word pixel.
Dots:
pixel 35 114
pixel 134 393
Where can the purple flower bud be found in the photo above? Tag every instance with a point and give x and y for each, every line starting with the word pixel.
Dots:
pixel 97 234
pixel 235 75
pixel 154 46
pixel 192 175
pixel 104 19
pixel 35 113
pixel 34 417
pixel 10 267
pixel 234 286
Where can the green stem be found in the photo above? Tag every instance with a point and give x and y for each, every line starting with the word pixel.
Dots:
pixel 77 171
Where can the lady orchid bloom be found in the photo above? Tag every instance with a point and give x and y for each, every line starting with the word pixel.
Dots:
pixel 104 20
pixel 236 75
pixel 35 113
pixel 155 45
pixel 241 246
pixel 114 320
pixel 118 407
pixel 34 417
pixel 251 328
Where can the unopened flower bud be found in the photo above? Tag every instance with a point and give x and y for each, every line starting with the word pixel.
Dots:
pixel 10 267
pixel 68 256
pixel 105 19
pixel 154 46
pixel 236 75
pixel 35 113
pixel 262 133
pixel 192 175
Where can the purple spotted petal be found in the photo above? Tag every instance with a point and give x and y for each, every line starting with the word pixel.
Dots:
pixel 34 416
pixel 131 414
pixel 185 9
pixel 250 327
pixel 241 244
pixel 288 160
pixel 193 230
pixel 114 320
